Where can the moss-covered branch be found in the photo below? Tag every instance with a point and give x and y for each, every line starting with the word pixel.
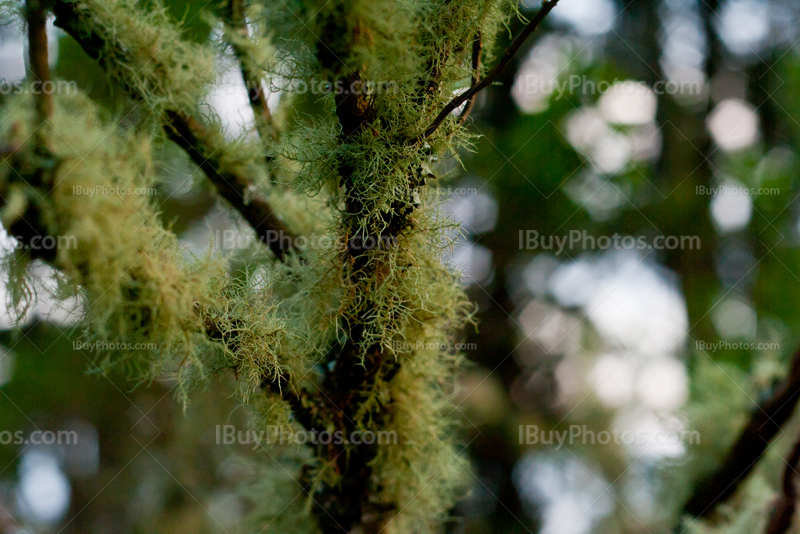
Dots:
pixel 355 338
pixel 783 512
pixel 765 423
pixel 380 179
pixel 146 76
pixel 251 75
pixel 191 135
pixel 179 316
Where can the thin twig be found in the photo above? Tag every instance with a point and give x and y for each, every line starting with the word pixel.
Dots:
pixel 764 424
pixel 501 65
pixel 783 514
pixel 477 52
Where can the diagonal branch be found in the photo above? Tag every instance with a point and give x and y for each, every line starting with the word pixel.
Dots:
pixel 764 424
pixel 193 136
pixel 547 6
pixel 239 191
pixel 783 513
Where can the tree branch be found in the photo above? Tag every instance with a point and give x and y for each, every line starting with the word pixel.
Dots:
pixel 547 6
pixel 764 424
pixel 783 513
pixel 188 133
pixel 240 192
pixel 37 53
pixel 477 52
pixel 252 78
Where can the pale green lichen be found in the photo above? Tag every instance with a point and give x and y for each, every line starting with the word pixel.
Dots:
pixel 286 319
pixel 147 307
pixel 144 53
pixel 136 285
